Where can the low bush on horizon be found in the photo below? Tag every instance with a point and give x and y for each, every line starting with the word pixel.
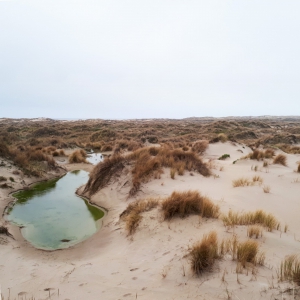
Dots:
pixel 251 218
pixel 182 204
pixel 280 159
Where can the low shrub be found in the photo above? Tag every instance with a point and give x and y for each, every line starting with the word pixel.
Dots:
pixel 298 168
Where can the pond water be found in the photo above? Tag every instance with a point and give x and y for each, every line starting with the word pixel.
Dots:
pixel 94 158
pixel 52 216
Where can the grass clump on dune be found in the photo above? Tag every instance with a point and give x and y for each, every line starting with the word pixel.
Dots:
pixel 247 182
pixel 251 218
pixel 280 159
pixel 103 173
pixel 182 204
pixel 78 156
pixel 254 231
pixel 241 182
pixel 247 252
pixel 203 254
pixel 260 154
pixel 200 146
pixel 148 163
pixel 290 269
pixel 132 214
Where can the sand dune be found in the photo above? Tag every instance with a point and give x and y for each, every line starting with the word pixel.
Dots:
pixel 153 263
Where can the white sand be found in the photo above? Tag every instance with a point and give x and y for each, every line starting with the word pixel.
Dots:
pixel 153 264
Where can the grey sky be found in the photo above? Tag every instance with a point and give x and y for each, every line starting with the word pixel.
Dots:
pixel 149 58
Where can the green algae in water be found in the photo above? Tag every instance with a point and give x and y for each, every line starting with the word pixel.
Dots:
pixel 52 216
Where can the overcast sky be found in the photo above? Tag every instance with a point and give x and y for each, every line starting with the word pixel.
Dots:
pixel 119 59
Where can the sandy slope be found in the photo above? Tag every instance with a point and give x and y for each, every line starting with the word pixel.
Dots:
pixel 153 264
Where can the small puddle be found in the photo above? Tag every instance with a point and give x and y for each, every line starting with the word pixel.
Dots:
pixel 52 216
pixel 94 158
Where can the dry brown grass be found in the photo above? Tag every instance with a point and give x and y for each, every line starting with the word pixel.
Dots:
pixel 222 137
pixel 290 269
pixel 172 173
pixel 260 154
pixel 241 182
pixel 247 182
pixel 200 146
pixel 254 231
pixel 257 179
pixel 247 252
pixel 78 156
pixel 103 173
pixel 132 214
pixel 251 218
pixel 182 204
pixel 280 159
pixel 148 161
pixel 266 189
pixel 203 254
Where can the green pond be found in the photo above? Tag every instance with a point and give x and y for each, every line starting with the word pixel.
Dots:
pixel 52 216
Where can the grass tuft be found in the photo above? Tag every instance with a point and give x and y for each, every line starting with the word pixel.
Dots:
pixel 280 159
pixel 290 269
pixel 266 189
pixel 241 182
pixel 251 218
pixel 78 156
pixel 247 252
pixel 254 231
pixel 132 214
pixel 203 254
pixel 182 204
